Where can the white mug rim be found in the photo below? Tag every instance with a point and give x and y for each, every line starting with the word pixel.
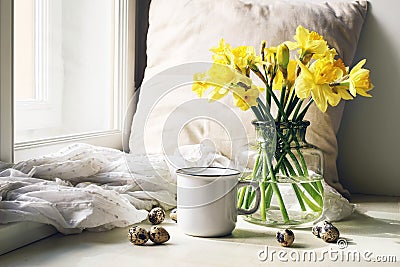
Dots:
pixel 191 173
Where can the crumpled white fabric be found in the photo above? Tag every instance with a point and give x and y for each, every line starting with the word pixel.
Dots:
pixel 95 188
pixel 85 187
pixel 336 207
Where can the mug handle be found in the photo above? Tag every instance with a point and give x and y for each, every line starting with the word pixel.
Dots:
pixel 258 197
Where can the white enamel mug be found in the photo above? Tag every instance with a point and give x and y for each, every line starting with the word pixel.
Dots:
pixel 207 200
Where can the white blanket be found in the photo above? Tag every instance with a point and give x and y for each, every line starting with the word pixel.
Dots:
pixel 85 187
pixel 94 188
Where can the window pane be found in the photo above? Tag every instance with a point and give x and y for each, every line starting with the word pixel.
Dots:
pixel 24 50
pixel 64 67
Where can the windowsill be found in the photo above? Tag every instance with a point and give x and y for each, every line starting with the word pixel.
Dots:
pixel 376 233
pixel 16 235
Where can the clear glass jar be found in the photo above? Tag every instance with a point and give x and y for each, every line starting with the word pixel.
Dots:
pixel 290 177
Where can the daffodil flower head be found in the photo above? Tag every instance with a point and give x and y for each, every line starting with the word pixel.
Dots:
pixel 316 81
pixel 282 56
pixel 217 93
pixel 308 43
pixel 222 74
pixel 359 80
pixel 222 53
pixel 270 54
pixel 279 79
pixel 244 57
pixel 244 98
pixel 200 86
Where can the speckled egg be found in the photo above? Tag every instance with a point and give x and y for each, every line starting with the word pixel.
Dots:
pixel 326 231
pixel 174 215
pixel 156 215
pixel 329 233
pixel 138 235
pixel 158 234
pixel 316 229
pixel 285 237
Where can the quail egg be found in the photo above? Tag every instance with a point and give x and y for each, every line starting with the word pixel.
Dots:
pixel 326 231
pixel 138 235
pixel 317 228
pixel 158 234
pixel 174 215
pixel 329 233
pixel 285 237
pixel 156 215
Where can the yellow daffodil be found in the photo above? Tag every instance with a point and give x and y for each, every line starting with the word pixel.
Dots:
pixel 282 55
pixel 316 80
pixel 222 75
pixel 222 53
pixel 359 80
pixel 200 85
pixel 291 72
pixel 330 53
pixel 317 73
pixel 218 93
pixel 308 43
pixel 245 57
pixel 245 98
pixel 339 64
pixel 270 54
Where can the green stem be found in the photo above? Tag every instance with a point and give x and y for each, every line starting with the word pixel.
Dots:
pixel 270 92
pixel 277 192
pixel 268 196
pixel 319 186
pixel 262 202
pixel 264 110
pixel 283 92
pixel 310 203
pixel 295 187
pixel 257 163
pixel 241 196
pixel 291 104
pixel 298 106
pixel 304 111
pixel 248 194
pixel 297 191
pixel 310 189
pixel 296 163
pixel 257 112
pixel 303 162
pixel 313 193
pixel 251 198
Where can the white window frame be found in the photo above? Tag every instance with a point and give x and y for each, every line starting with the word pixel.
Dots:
pixel 45 103
pixel 18 234
pixel 6 81
pixel 123 90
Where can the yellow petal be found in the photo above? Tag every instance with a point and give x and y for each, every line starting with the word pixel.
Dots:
pixel 217 94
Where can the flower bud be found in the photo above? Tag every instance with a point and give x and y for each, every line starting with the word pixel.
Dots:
pixel 282 56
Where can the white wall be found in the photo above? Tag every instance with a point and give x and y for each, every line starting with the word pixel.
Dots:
pixel 369 147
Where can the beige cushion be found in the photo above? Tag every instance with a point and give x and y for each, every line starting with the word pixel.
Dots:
pixel 182 31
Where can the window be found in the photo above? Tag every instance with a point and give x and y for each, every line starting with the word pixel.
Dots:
pixel 62 89
pixel 73 72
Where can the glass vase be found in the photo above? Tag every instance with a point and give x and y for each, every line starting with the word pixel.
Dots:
pixel 289 172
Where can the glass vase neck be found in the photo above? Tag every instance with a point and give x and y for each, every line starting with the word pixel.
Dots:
pixel 292 131
pixel 296 129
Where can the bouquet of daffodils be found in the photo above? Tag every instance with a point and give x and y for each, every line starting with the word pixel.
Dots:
pixel 314 74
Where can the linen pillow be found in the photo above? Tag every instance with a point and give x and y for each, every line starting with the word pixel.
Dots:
pixel 182 31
